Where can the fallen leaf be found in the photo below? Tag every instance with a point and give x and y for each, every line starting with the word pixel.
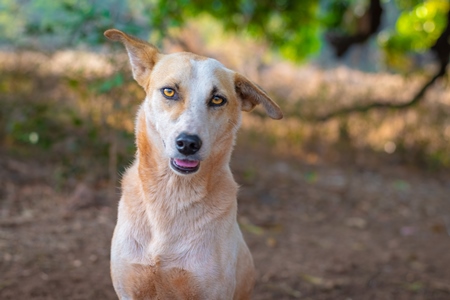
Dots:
pixel 414 286
pixel 313 279
pixel 271 242
pixel 356 222
pixel 401 185
pixel 249 227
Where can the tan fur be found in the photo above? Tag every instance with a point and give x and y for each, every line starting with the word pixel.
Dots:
pixel 152 283
pixel 176 235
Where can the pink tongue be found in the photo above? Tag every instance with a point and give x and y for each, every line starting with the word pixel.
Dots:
pixel 186 163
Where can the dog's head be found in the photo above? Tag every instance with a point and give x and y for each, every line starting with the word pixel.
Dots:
pixel 193 103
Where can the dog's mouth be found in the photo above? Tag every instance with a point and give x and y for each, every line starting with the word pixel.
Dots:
pixel 184 166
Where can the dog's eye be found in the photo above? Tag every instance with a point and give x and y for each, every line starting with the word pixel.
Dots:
pixel 169 93
pixel 217 101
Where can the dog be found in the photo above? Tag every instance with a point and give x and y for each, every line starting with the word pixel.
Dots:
pixel 177 236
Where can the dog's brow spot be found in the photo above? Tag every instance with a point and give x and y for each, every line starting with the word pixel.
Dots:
pixel 197 57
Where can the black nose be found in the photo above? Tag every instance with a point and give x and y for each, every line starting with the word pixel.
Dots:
pixel 188 144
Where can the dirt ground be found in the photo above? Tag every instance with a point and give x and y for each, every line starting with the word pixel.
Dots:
pixel 316 231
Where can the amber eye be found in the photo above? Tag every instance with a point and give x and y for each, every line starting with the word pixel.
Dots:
pixel 168 92
pixel 217 101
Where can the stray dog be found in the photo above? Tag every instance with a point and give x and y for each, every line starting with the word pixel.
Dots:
pixel 176 235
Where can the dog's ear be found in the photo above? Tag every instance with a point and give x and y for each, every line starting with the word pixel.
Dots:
pixel 143 56
pixel 252 95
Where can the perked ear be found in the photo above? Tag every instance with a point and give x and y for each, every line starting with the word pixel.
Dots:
pixel 251 95
pixel 143 56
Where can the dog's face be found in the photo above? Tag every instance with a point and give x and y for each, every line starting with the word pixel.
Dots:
pixel 193 103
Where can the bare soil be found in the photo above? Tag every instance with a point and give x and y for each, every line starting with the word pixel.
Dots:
pixel 316 231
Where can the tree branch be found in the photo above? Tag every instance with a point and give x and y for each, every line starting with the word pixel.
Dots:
pixel 442 51
pixel 383 105
pixel 370 22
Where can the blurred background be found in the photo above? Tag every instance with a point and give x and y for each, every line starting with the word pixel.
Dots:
pixel 347 197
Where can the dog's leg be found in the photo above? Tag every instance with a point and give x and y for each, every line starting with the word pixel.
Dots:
pixel 245 274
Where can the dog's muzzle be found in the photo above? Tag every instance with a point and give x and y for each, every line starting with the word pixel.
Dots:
pixel 186 144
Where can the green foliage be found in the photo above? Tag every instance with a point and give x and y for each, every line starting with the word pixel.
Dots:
pixel 407 4
pixel 291 27
pixel 342 16
pixel 416 30
pixel 51 25
pixel 106 85
pixel 333 13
